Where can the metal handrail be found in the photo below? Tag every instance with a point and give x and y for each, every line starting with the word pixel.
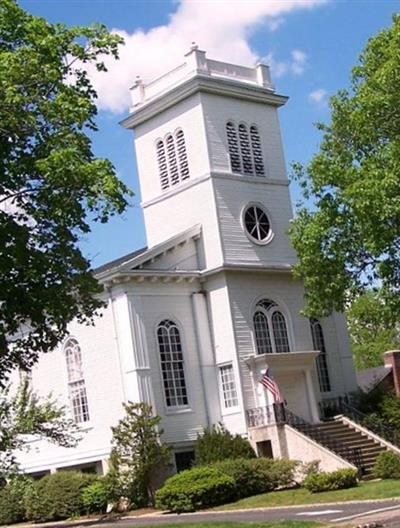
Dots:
pixel 260 416
pixel 279 414
pixel 374 425
pixel 351 454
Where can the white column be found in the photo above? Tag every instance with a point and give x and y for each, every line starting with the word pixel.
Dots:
pixel 311 397
pixel 206 358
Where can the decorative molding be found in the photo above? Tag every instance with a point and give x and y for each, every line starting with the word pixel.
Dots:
pixel 205 84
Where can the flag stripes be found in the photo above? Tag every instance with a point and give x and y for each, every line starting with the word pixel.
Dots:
pixel 268 382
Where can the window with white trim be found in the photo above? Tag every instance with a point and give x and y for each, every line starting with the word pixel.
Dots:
pixel 172 159
pixel 245 151
pixel 228 386
pixel 172 364
pixel 257 224
pixel 270 328
pixel 322 364
pixel 76 381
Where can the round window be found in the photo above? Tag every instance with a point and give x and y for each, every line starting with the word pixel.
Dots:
pixel 257 224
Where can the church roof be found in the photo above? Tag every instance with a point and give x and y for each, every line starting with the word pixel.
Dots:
pixel 368 379
pixel 137 259
pixel 119 261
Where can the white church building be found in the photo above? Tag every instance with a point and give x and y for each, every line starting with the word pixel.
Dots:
pixel 194 319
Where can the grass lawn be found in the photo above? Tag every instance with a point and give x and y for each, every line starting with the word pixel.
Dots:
pixel 383 489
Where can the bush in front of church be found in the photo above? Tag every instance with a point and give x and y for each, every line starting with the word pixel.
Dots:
pixel 332 480
pixel 387 466
pixel 194 489
pixel 95 497
pixel 12 506
pixel 258 475
pixel 57 496
pixel 217 443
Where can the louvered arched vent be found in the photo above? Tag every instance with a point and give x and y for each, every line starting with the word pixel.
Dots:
pixel 172 160
pixel 245 151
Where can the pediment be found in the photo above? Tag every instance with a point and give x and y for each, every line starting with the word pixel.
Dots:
pixel 178 253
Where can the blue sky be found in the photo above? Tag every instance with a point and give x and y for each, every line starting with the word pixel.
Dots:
pixel 310 44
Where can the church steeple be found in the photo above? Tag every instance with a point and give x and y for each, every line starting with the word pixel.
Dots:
pixel 209 152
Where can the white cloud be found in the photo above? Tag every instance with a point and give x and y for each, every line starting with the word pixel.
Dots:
pixel 298 61
pixel 319 97
pixel 221 28
pixel 295 65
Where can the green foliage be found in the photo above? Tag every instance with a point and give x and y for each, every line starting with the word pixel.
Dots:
pixel 217 444
pixel 382 408
pixel 95 497
pixel 259 475
pixel 12 496
pixel 330 481
pixel 57 496
pixel 137 457
pixel 349 239
pixel 24 413
pixel 372 330
pixel 52 186
pixel 387 466
pixel 211 485
pixel 310 468
pixel 194 489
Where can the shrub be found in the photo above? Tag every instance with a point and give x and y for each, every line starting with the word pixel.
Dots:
pixel 138 456
pixel 12 507
pixel 57 496
pixel 195 488
pixel 217 444
pixel 329 481
pixel 95 497
pixel 282 472
pixel 387 465
pixel 257 475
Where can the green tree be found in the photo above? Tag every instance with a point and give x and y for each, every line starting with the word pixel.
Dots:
pixel 25 415
pixel 51 184
pixel 217 443
pixel 350 239
pixel 138 458
pixel 371 329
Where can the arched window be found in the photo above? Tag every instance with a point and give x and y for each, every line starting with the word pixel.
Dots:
pixel 162 164
pixel 322 364
pixel 76 381
pixel 244 147
pixel 233 147
pixel 172 160
pixel 182 156
pixel 270 328
pixel 257 151
pixel 172 367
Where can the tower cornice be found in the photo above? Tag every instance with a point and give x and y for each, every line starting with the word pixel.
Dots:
pixel 202 84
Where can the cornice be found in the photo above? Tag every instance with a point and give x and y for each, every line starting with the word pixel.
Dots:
pixel 203 84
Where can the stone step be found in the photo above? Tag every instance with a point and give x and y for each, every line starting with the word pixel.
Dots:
pixel 360 443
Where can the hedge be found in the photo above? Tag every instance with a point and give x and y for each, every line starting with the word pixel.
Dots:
pixel 258 475
pixel 95 497
pixel 12 496
pixel 222 482
pixel 194 489
pixel 329 481
pixel 387 466
pixel 57 496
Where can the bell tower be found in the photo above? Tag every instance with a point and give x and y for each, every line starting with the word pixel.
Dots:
pixel 209 152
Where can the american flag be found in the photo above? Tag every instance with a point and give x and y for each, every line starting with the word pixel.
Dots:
pixel 270 384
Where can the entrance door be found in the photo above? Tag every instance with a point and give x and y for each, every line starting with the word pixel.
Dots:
pixel 293 389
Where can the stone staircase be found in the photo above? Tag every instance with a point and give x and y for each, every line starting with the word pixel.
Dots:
pixel 351 438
